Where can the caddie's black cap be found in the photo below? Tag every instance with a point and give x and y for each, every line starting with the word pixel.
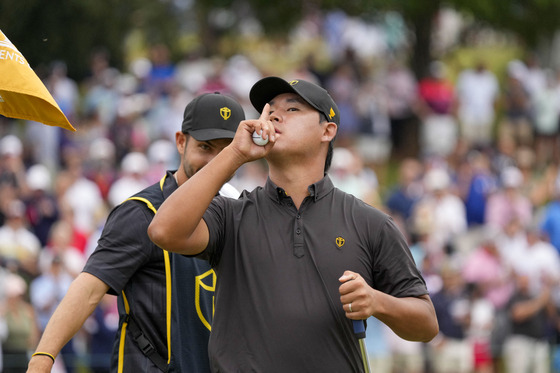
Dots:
pixel 212 116
pixel 266 89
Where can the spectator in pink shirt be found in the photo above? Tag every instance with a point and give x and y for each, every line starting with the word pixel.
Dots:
pixel 486 267
pixel 488 270
pixel 509 203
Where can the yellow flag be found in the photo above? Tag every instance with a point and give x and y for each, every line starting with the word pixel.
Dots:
pixel 22 94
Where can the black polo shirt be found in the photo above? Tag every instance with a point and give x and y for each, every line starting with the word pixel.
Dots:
pixel 277 302
pixel 134 269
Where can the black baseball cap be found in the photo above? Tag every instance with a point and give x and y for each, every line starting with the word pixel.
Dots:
pixel 212 116
pixel 267 88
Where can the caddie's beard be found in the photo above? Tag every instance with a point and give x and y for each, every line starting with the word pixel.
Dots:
pixel 189 171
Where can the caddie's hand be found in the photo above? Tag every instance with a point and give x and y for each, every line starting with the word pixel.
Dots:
pixel 356 296
pixel 243 141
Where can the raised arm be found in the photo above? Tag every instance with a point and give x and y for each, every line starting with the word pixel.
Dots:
pixel 80 301
pixel 178 225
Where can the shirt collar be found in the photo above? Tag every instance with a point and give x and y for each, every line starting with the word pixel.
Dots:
pixel 316 190
pixel 169 184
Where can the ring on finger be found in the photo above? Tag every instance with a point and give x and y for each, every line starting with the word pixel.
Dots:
pixel 350 306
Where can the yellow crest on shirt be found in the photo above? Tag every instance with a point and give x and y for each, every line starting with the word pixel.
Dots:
pixel 204 282
pixel 339 241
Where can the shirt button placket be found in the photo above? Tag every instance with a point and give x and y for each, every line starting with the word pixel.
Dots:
pixel 298 237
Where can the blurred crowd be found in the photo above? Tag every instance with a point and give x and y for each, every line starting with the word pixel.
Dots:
pixel 467 167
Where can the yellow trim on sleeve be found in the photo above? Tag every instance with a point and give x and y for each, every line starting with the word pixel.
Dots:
pixel 162 181
pixel 150 206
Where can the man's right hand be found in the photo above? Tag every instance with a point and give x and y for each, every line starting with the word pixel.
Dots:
pixel 243 143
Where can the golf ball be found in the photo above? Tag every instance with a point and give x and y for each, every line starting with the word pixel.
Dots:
pixel 257 139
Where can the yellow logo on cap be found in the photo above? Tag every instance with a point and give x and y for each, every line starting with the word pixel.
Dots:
pixel 339 241
pixel 294 82
pixel 331 113
pixel 225 112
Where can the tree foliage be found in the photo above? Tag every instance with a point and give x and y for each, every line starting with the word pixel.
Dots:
pixel 277 18
pixel 533 21
pixel 45 31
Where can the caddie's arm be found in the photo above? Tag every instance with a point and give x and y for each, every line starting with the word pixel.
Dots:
pixel 178 225
pixel 84 294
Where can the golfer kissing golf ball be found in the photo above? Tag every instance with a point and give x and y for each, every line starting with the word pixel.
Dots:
pixel 258 139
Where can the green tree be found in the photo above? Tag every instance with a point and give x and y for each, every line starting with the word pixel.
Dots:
pixel 533 21
pixel 69 30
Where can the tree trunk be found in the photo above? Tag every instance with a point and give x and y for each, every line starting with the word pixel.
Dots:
pixel 422 25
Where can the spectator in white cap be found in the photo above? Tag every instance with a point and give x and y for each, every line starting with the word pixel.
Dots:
pixel 22 328
pixel 162 155
pixel 78 193
pixel 41 206
pixel 12 169
pixel 101 164
pixel 349 174
pixel 11 145
pixel 134 166
pixel 539 261
pixel 440 213
pixel 19 248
